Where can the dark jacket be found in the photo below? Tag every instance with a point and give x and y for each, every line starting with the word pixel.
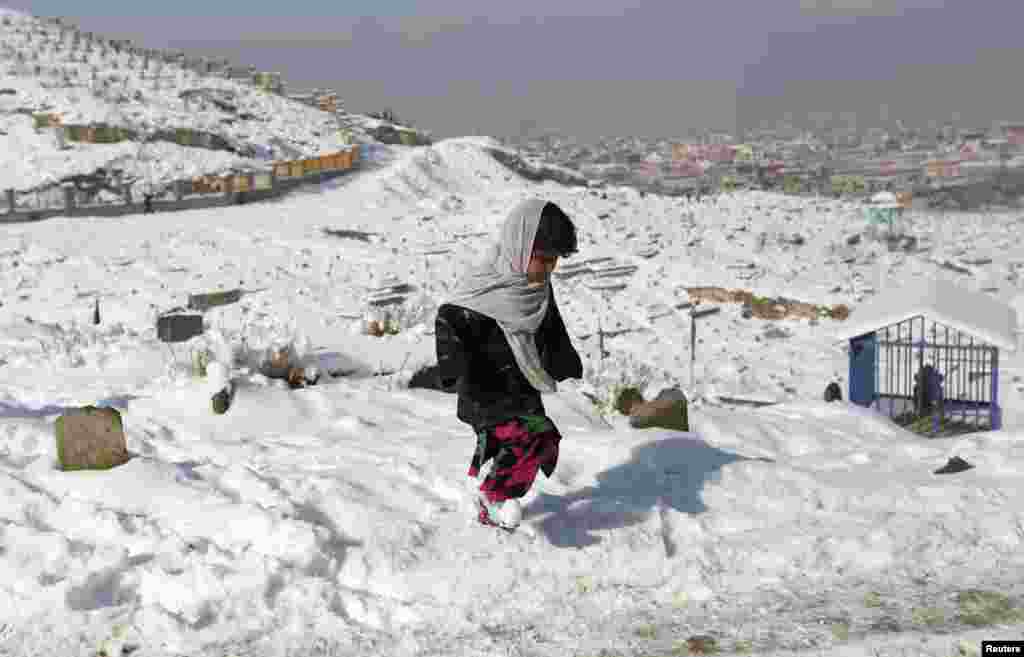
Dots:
pixel 476 361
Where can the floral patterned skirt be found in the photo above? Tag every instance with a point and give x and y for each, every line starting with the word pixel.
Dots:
pixel 519 448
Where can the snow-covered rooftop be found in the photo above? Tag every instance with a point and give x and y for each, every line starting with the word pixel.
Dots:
pixel 974 313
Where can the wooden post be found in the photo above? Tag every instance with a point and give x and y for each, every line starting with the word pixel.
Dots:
pixel 694 316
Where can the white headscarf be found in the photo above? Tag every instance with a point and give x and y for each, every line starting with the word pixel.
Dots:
pixel 497 286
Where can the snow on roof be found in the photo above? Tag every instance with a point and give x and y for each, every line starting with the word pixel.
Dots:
pixel 885 199
pixel 973 313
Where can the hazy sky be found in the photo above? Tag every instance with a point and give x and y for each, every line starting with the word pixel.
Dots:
pixel 607 67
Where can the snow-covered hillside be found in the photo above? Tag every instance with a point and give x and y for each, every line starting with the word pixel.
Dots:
pixel 86 85
pixel 338 519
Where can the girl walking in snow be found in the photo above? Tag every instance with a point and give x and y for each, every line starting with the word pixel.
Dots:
pixel 501 342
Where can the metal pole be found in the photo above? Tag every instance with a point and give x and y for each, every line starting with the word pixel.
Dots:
pixel 693 344
pixel 986 383
pixel 938 366
pixel 889 366
pixel 897 361
pixel 876 374
pixel 910 358
pixel 975 388
pixel 960 376
pixel 921 367
pixel 896 387
pixel 995 414
pixel 947 388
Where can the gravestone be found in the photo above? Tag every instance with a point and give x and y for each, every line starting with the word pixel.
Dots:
pixel 90 438
pixel 660 413
pixel 203 302
pixel 177 327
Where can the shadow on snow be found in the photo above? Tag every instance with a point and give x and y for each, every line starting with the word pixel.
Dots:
pixel 23 410
pixel 670 471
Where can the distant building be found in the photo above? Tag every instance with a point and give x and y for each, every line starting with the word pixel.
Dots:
pixel 1014 133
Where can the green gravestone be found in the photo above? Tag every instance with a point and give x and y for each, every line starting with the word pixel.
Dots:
pixel 202 302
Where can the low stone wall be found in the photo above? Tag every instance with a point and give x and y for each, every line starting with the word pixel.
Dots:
pixel 279 187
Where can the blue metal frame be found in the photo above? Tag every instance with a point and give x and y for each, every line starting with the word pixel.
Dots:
pixel 863 369
pixel 995 412
pixel 866 389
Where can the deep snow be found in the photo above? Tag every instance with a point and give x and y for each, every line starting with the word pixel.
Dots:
pixel 343 511
pixel 337 519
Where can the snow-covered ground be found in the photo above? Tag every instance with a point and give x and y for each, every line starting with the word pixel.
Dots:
pixel 340 515
pixel 337 519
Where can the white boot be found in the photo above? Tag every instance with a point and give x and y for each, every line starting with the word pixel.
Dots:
pixel 510 514
pixel 507 514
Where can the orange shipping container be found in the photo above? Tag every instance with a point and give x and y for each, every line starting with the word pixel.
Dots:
pixel 296 169
pixel 311 165
pixel 354 154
